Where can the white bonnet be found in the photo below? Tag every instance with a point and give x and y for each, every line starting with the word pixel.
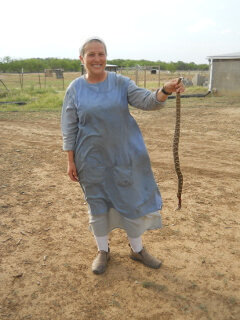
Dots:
pixel 86 41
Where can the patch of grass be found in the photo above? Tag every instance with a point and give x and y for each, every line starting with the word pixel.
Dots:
pixel 232 300
pixel 192 90
pixel 193 285
pixel 202 307
pixel 3 94
pixel 35 99
pixel 114 303
pixel 156 286
pixel 178 296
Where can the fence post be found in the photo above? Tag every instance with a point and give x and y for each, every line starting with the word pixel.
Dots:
pixel 39 80
pixel 159 76
pixel 145 76
pixel 22 78
pixel 136 75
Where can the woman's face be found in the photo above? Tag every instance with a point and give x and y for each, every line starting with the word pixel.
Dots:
pixel 94 59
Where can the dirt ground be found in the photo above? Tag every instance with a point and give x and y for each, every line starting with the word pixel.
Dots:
pixel 47 249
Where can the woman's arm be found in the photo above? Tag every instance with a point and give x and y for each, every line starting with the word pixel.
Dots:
pixel 69 126
pixel 142 98
pixel 146 100
pixel 69 120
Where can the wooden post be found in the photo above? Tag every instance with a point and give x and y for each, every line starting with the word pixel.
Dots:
pixel 63 80
pixel 136 75
pixel 159 77
pixel 39 80
pixel 21 79
pixel 145 76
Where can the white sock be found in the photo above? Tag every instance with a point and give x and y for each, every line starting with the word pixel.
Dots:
pixel 136 244
pixel 102 243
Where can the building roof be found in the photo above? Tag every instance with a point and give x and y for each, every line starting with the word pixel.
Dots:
pixel 235 55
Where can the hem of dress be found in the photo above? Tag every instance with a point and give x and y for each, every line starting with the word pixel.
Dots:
pixel 102 225
pixel 121 228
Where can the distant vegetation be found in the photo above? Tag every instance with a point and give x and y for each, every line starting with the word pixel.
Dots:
pixel 7 64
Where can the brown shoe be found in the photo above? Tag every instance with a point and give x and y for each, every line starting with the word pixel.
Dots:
pixel 146 258
pixel 100 262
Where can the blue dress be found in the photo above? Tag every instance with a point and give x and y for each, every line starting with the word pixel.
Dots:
pixel 112 161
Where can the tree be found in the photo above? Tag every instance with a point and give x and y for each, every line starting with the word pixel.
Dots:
pixel 6 59
pixel 171 67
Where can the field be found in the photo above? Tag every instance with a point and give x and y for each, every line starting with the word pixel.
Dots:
pixel 47 249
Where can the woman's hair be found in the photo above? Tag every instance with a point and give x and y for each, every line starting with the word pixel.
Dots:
pixel 89 40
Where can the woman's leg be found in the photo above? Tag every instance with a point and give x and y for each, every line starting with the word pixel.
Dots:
pixel 102 243
pixel 99 227
pixel 136 244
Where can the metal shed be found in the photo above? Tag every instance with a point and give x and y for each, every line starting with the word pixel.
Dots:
pixel 225 74
pixel 111 67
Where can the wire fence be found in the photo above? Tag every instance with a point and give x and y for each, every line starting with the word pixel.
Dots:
pixel 145 77
pixel 154 77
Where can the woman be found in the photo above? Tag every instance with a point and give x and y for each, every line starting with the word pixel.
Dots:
pixel 107 155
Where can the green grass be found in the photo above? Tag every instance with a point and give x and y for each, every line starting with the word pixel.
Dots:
pixel 49 99
pixel 192 90
pixel 156 286
pixel 35 99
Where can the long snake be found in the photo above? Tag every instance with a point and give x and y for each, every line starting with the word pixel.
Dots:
pixel 175 147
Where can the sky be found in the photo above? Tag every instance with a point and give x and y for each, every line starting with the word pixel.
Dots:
pixel 183 30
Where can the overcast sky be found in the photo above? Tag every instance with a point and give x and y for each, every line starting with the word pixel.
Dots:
pixel 185 30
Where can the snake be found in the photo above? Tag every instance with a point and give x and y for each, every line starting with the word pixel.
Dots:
pixel 176 146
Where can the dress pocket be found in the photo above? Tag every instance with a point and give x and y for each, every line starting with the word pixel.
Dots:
pixel 92 174
pixel 123 175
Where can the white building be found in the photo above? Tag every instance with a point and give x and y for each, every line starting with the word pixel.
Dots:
pixel 225 74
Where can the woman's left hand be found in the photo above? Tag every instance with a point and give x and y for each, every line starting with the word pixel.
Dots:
pixel 169 87
pixel 173 86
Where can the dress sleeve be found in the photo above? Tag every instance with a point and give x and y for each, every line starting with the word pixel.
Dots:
pixel 142 98
pixel 69 120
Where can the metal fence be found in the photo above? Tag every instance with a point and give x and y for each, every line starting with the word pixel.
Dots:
pixel 152 77
pixel 145 77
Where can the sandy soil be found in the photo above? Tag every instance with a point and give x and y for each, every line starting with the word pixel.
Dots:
pixel 47 250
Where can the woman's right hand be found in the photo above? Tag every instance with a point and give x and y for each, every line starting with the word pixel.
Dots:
pixel 72 171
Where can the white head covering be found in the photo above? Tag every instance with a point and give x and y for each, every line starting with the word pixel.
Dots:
pixel 86 41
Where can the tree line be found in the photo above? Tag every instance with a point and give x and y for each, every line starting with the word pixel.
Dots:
pixel 7 64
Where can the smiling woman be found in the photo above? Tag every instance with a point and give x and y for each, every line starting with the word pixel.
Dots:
pixel 107 154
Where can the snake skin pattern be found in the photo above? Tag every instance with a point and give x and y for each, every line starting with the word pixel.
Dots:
pixel 175 148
